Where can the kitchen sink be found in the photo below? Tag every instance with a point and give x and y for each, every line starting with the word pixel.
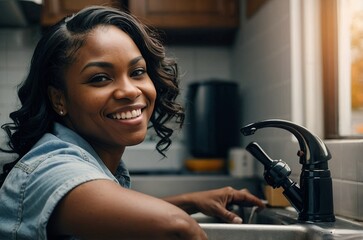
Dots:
pixel 220 231
pixel 256 232
pixel 269 216
pixel 269 223
pixel 278 223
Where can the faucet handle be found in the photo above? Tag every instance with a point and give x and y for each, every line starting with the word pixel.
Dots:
pixel 259 154
pixel 277 174
pixel 276 171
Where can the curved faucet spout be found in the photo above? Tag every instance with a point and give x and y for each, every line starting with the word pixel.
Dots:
pixel 312 148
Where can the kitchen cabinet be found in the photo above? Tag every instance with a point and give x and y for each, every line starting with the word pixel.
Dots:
pixel 187 14
pixel 199 21
pixel 55 10
pixel 179 21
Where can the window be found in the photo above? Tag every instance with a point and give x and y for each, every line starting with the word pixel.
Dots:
pixel 342 58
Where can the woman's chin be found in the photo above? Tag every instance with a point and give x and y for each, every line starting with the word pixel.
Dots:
pixel 136 141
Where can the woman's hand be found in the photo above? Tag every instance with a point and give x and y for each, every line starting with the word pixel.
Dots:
pixel 214 202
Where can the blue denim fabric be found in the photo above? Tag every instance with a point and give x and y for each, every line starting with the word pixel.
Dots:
pixel 55 165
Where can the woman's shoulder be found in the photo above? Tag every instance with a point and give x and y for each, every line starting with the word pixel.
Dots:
pixel 50 148
pixel 50 170
pixel 53 154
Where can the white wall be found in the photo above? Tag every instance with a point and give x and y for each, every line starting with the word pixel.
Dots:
pixel 16 47
pixel 262 62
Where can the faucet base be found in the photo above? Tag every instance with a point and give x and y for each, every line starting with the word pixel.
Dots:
pixel 316 218
pixel 317 189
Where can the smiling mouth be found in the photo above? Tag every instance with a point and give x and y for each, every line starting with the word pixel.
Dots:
pixel 126 115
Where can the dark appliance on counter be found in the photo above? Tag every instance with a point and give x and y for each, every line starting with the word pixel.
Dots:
pixel 212 118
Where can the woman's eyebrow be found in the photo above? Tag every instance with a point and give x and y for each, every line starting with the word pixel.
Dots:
pixel 110 65
pixel 97 64
pixel 135 60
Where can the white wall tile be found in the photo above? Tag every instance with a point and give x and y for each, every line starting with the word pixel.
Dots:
pixel 360 197
pixel 261 62
pixel 213 63
pixel 335 164
pixel 349 199
pixel 19 58
pixel 201 63
pixel 337 193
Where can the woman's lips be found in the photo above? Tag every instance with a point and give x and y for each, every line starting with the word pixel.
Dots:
pixel 126 115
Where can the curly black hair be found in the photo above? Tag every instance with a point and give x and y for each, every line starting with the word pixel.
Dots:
pixel 57 49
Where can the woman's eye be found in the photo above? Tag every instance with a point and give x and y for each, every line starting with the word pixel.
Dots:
pixel 138 72
pixel 99 79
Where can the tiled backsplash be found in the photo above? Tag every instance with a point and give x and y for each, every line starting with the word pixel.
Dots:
pixel 16 47
pixel 347 168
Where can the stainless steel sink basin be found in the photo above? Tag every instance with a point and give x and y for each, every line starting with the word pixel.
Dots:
pixel 278 223
pixel 257 232
pixel 270 216
pixel 221 231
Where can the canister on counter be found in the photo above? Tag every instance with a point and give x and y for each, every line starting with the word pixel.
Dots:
pixel 240 163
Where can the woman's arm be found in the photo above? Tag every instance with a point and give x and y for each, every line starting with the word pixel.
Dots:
pixel 101 209
pixel 214 202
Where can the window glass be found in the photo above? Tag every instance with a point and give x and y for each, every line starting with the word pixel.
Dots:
pixel 350 67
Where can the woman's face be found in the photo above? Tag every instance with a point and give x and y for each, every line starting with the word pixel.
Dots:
pixel 109 96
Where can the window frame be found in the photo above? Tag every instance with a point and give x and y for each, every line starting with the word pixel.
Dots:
pixel 330 74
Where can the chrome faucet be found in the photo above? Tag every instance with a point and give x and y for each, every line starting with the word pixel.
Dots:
pixel 313 199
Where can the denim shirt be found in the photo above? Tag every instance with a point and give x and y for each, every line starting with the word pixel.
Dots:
pixel 56 164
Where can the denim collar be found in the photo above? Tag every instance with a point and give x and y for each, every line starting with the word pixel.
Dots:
pixel 64 133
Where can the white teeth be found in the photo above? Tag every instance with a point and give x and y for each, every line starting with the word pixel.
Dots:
pixel 127 115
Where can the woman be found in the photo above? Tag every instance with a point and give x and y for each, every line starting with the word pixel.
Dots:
pixel 97 80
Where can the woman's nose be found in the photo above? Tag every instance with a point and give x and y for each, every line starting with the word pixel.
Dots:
pixel 126 89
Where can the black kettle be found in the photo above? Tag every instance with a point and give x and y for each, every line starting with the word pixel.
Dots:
pixel 212 118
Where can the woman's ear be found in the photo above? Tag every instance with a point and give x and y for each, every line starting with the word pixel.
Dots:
pixel 56 97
